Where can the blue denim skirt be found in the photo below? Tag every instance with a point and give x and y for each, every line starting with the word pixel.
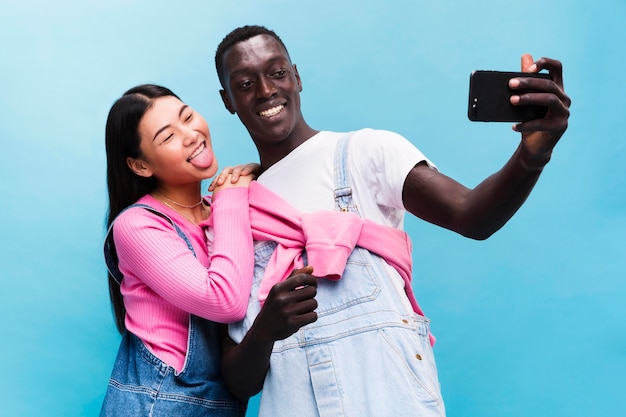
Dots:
pixel 143 385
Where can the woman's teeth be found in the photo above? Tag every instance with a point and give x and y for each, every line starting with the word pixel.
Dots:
pixel 197 152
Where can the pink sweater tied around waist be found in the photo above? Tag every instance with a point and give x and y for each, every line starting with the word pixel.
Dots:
pixel 328 238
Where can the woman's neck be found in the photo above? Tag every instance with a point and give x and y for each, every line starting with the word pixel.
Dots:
pixel 188 196
pixel 188 202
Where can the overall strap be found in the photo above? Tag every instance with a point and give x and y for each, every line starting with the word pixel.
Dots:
pixel 110 256
pixel 343 190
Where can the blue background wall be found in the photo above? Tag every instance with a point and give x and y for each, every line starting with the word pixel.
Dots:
pixel 530 322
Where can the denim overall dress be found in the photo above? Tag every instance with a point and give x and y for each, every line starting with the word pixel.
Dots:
pixel 368 354
pixel 143 385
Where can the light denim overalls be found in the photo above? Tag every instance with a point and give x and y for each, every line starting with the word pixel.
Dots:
pixel 143 385
pixel 368 354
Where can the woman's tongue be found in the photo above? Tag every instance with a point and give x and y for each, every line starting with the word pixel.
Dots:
pixel 203 160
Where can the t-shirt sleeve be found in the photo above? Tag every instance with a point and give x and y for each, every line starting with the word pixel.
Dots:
pixel 383 160
pixel 149 249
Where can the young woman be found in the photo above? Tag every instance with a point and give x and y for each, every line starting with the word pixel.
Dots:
pixel 169 289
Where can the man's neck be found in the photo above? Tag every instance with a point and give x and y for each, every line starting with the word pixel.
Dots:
pixel 269 155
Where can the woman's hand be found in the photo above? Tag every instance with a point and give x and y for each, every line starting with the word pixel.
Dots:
pixel 233 175
pixel 242 181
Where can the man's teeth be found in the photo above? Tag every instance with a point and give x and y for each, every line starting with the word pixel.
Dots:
pixel 197 152
pixel 271 112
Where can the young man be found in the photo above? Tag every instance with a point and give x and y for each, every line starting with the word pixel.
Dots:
pixel 357 345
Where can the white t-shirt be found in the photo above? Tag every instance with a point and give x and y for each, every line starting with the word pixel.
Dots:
pixel 379 162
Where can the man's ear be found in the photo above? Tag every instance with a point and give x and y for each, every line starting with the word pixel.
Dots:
pixel 295 72
pixel 226 101
pixel 139 167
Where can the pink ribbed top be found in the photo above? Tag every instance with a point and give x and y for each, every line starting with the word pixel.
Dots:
pixel 164 282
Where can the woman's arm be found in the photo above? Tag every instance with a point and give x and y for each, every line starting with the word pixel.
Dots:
pixel 151 251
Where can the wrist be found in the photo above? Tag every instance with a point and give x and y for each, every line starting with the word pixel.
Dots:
pixel 259 339
pixel 531 162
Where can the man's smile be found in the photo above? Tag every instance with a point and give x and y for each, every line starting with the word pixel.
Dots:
pixel 272 111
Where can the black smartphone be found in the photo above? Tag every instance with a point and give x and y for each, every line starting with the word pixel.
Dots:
pixel 489 98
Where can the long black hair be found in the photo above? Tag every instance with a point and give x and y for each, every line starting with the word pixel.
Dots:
pixel 124 186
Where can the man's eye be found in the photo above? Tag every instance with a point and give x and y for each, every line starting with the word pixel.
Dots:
pixel 280 73
pixel 245 84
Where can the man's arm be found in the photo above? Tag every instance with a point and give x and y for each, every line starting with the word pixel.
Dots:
pixel 289 305
pixel 478 213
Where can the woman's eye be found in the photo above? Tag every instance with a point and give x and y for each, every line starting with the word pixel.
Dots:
pixel 168 137
pixel 189 117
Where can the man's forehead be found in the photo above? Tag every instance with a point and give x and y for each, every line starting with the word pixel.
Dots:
pixel 256 49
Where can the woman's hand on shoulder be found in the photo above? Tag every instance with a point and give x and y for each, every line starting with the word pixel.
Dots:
pixel 235 176
pixel 229 182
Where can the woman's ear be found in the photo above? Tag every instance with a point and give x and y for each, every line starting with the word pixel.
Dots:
pixel 139 167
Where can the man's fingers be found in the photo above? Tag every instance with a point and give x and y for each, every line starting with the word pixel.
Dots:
pixel 304 270
pixel 304 319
